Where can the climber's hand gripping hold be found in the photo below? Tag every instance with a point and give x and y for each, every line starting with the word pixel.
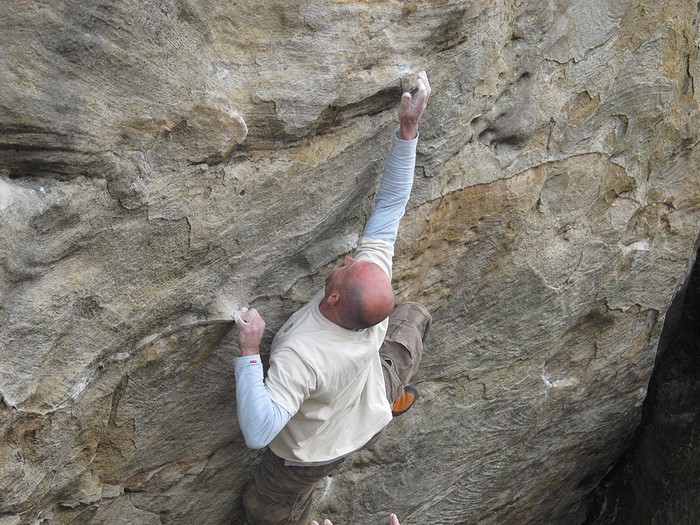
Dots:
pixel 250 330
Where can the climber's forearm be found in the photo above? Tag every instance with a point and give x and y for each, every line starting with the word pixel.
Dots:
pixel 259 418
pixel 394 190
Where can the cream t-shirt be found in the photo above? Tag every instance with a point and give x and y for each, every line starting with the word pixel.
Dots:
pixel 329 378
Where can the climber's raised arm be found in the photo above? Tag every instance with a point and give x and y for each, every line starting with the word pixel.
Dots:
pixel 395 188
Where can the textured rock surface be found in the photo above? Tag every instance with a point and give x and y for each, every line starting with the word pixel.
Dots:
pixel 162 162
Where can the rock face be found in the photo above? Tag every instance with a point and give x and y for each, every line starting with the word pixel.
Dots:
pixel 163 162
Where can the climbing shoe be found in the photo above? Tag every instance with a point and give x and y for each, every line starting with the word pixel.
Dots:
pixel 404 401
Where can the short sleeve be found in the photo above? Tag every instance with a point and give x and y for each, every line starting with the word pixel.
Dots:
pixel 376 251
pixel 289 380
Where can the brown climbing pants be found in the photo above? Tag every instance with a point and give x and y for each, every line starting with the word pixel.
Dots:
pixel 281 494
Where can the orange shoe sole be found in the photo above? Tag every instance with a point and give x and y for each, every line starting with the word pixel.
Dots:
pixel 404 401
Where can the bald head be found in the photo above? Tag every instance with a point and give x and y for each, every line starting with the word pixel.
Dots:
pixel 358 295
pixel 367 297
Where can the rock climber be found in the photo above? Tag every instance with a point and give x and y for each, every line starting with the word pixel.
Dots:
pixel 340 366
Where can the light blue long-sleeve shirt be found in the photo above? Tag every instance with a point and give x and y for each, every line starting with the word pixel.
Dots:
pixel 260 418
